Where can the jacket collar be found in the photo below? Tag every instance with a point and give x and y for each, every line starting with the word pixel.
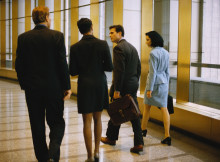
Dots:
pixel 40 26
pixel 87 37
pixel 121 40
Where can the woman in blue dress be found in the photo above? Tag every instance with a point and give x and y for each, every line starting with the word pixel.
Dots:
pixel 156 91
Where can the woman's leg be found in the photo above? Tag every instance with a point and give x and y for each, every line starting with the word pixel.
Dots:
pixel 87 132
pixel 146 116
pixel 166 121
pixel 97 130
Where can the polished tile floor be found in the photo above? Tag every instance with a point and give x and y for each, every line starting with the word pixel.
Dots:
pixel 16 142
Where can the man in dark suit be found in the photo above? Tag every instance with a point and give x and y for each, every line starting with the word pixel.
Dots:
pixel 42 72
pixel 126 74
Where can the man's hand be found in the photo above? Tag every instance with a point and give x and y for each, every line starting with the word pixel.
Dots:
pixel 149 94
pixel 116 95
pixel 67 94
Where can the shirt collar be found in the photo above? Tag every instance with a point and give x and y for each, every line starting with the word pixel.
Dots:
pixel 41 25
pixel 121 39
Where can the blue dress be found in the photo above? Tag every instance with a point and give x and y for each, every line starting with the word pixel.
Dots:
pixel 158 77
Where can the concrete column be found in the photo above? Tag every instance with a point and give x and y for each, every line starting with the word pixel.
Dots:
pixel 146 26
pixel 74 18
pixel 118 12
pixel 57 15
pixel 184 50
pixel 94 16
pixel 3 35
pixel 41 2
pixel 28 15
pixel 14 30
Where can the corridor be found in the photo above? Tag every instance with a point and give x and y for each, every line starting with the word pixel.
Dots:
pixel 16 141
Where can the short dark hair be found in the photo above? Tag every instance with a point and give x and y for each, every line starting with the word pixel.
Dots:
pixel 156 39
pixel 118 28
pixel 39 14
pixel 84 25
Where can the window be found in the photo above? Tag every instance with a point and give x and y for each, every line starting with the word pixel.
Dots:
pixel 205 53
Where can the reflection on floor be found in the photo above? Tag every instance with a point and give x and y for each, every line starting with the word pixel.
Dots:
pixel 16 142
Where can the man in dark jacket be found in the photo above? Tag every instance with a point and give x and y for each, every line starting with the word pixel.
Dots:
pixel 42 72
pixel 126 74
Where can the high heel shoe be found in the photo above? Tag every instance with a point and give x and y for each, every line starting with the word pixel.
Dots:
pixel 144 133
pixel 166 141
pixel 89 160
pixel 96 157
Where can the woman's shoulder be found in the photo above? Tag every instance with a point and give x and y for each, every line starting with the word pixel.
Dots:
pixel 157 50
pixel 164 50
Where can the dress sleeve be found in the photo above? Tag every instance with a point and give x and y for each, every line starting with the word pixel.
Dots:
pixel 152 72
pixel 73 68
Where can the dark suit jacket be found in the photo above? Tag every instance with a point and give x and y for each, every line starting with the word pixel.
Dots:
pixel 127 68
pixel 41 61
pixel 89 58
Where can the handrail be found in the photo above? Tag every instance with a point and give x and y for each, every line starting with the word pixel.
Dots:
pixel 193 64
pixel 197 64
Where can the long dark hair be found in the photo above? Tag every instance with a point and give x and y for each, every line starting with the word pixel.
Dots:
pixel 156 39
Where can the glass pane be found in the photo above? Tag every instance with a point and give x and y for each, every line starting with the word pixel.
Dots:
pixel 132 22
pixel 166 23
pixel 50 5
pixel 108 22
pixel 205 54
pixel 102 20
pixel 8 14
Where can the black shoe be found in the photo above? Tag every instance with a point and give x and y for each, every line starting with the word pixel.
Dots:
pixel 166 141
pixel 89 160
pixel 144 133
pixel 96 157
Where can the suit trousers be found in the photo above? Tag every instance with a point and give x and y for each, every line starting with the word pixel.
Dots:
pixel 40 105
pixel 113 130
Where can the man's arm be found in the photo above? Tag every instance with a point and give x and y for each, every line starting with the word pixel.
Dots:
pixel 19 64
pixel 139 68
pixel 119 70
pixel 63 68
